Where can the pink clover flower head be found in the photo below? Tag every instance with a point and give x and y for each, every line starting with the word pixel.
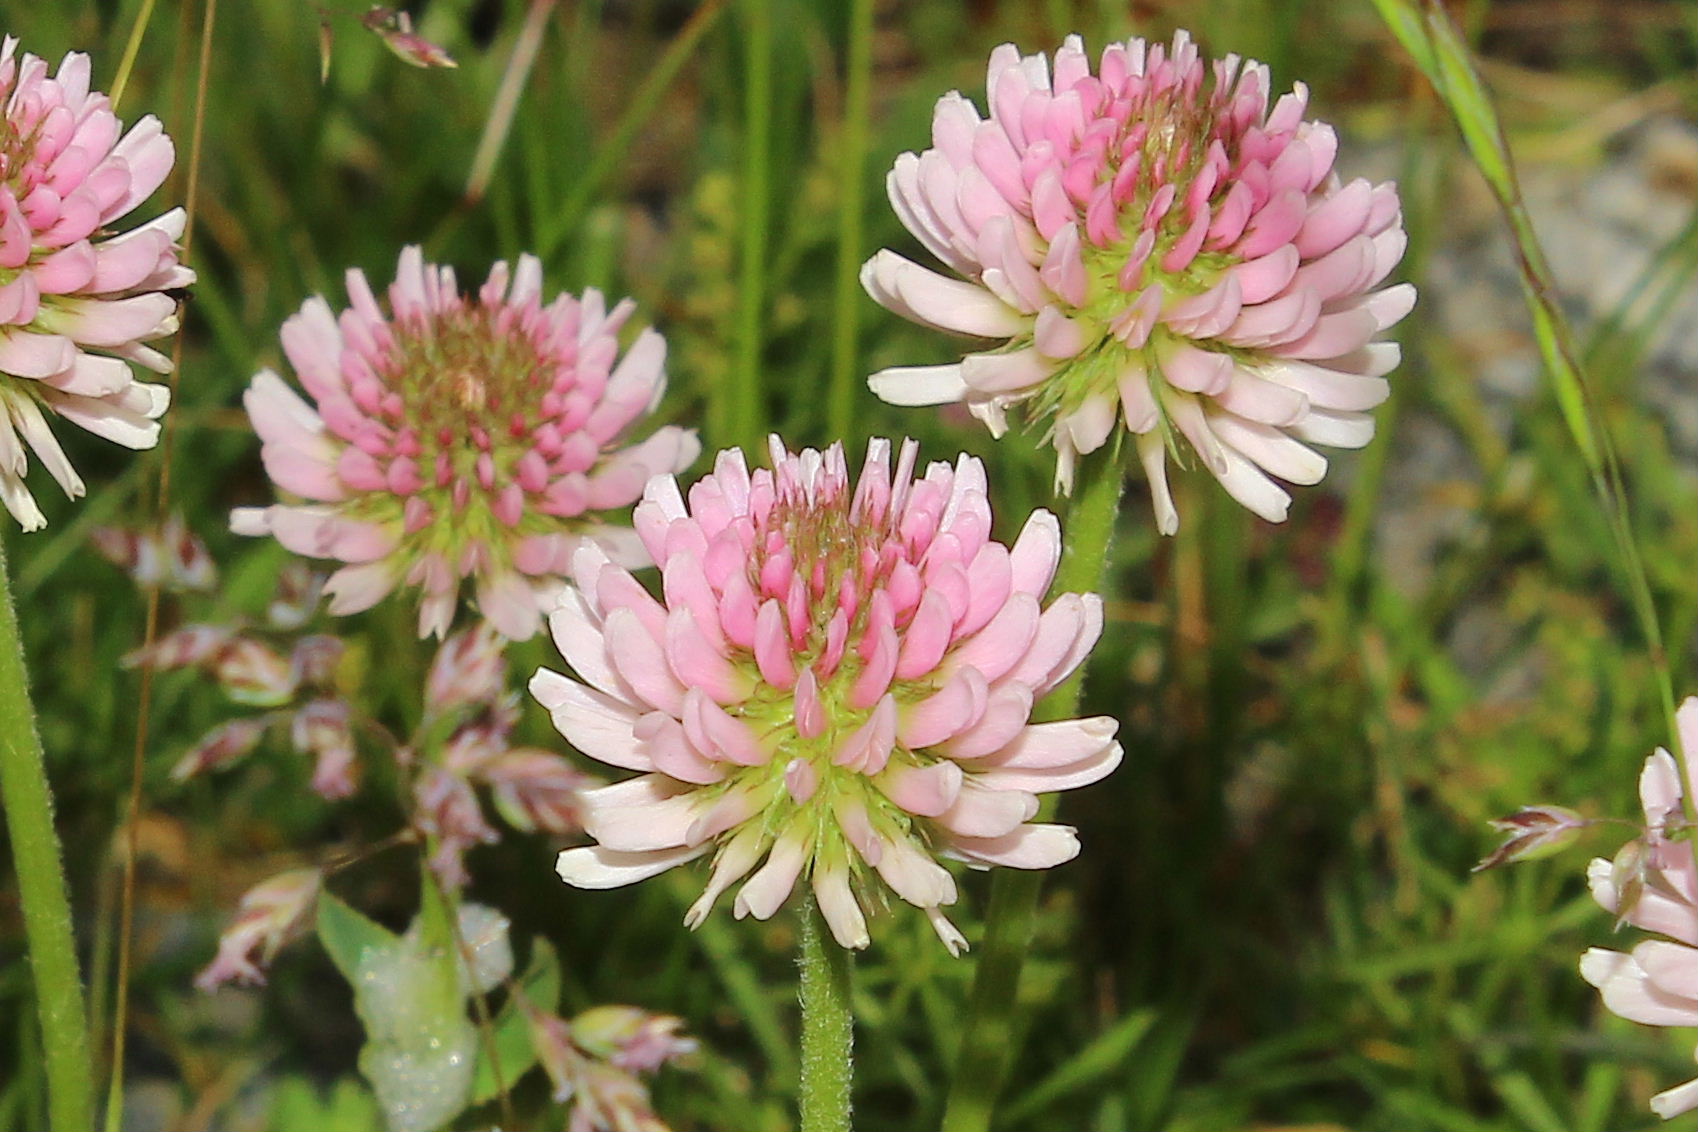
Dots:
pixel 78 303
pixel 1154 251
pixel 835 684
pixel 457 438
pixel 1657 982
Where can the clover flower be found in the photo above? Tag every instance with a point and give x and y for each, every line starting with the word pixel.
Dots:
pixel 1151 254
pixel 836 683
pixel 1653 885
pixel 458 438
pixel 77 301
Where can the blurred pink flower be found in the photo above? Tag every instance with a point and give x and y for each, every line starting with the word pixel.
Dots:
pixel 593 1062
pixel 537 790
pixel 837 679
pixel 252 672
pixel 1181 261
pixel 470 669
pixel 631 1038
pixel 446 810
pixel 270 914
pixel 222 747
pixel 458 438
pixel 76 302
pixel 324 729
pixel 395 28
pixel 171 557
pixel 1656 983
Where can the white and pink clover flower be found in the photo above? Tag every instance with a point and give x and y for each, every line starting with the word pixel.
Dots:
pixel 836 684
pixel 1148 253
pixel 459 438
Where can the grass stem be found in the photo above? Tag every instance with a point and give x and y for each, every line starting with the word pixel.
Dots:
pixel 852 153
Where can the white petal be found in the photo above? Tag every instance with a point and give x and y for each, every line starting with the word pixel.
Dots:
pixel 918 385
pixel 595 867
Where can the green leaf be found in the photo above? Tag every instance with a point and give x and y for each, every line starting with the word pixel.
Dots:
pixel 347 935
pixel 1097 1060
pixel 540 984
pixel 420 1046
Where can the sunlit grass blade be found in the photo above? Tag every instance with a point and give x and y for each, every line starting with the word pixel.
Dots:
pixel 846 377
pixel 640 107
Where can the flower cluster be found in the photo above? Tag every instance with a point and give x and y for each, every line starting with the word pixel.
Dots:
pixel 467 701
pixel 1653 885
pixel 459 437
pixel 77 303
pixel 837 680
pixel 1152 252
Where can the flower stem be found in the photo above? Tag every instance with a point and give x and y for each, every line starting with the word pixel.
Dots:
pixel 748 392
pixel 858 67
pixel 988 1035
pixel 828 1027
pixel 28 805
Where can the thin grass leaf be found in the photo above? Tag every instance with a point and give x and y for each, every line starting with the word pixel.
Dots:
pixel 1102 1057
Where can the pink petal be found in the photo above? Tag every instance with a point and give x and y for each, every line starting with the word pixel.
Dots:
pixel 923 791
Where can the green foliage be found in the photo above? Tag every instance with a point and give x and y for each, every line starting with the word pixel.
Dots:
pixel 420 1048
pixel 1272 921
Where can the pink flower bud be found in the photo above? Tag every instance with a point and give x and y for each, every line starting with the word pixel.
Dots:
pixel 537 790
pixel 270 914
pixel 631 1038
pixel 253 673
pixel 221 747
pixel 395 28
pixel 1535 832
pixel 182 648
pixel 314 660
pixel 470 669
pixel 170 557
pixel 295 597
pixel 551 1038
pixel 323 729
pixel 446 809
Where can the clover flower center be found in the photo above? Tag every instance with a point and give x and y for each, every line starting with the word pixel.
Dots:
pixel 464 381
pixel 819 776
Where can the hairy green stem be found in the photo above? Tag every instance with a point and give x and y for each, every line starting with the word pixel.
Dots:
pixel 747 424
pixel 989 1034
pixel 28 805
pixel 828 1027
pixel 858 68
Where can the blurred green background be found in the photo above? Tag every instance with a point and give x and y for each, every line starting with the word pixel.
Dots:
pixel 1272 923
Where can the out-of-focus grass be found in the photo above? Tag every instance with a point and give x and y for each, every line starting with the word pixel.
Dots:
pixel 1272 921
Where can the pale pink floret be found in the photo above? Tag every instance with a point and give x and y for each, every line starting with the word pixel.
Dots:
pixel 1147 253
pixel 836 682
pixel 271 914
pixel 77 302
pixel 478 438
pixel 1656 983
